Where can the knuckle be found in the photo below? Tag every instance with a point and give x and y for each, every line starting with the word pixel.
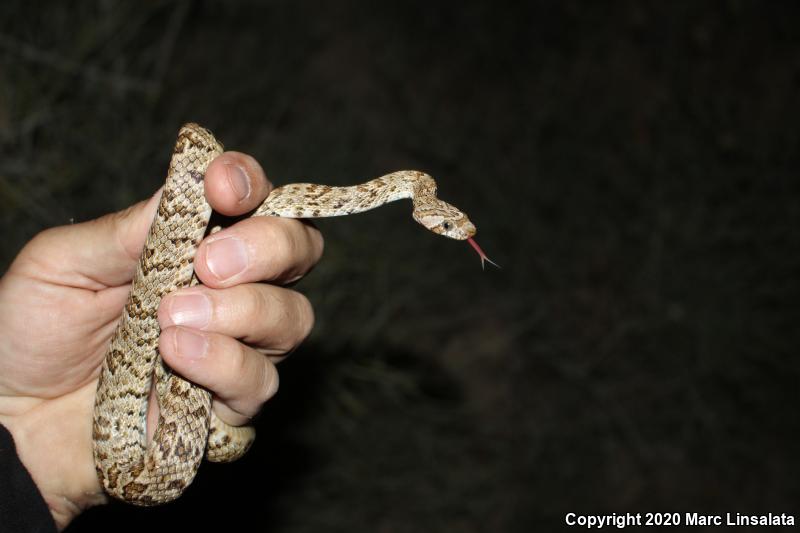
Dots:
pixel 234 362
pixel 256 304
pixel 267 384
pixel 317 243
pixel 41 240
pixel 304 316
pixel 282 242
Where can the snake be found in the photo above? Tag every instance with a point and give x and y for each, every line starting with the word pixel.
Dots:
pixel 141 473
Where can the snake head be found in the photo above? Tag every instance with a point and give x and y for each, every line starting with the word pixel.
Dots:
pixel 443 219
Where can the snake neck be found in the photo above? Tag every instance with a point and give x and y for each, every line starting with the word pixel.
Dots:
pixel 308 200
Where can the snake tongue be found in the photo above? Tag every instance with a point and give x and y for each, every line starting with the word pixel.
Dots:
pixel 484 258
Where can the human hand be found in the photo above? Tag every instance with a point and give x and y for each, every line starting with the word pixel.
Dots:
pixel 61 298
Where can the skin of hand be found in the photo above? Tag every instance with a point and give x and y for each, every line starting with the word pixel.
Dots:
pixel 63 295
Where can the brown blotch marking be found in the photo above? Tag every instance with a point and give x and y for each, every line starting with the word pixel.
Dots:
pixel 98 435
pixel 113 360
pixel 169 429
pixel 181 449
pixel 177 241
pixel 113 477
pixel 176 484
pixel 135 393
pixel 177 389
pixel 144 371
pixel 316 212
pixel 163 210
pixel 137 469
pixel 181 209
pixel 180 145
pixel 148 253
pixel 133 490
pixel 200 413
pixel 136 308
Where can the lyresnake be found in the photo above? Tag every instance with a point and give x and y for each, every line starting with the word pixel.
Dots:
pixel 147 474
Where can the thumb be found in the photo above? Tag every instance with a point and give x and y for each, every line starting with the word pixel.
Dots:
pixel 92 255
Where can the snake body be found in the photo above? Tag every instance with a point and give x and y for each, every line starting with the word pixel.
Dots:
pixel 187 429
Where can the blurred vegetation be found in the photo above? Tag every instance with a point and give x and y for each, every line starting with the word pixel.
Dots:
pixel 633 166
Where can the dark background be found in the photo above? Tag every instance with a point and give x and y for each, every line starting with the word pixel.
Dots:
pixel 631 165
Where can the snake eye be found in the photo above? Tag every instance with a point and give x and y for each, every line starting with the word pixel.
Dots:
pixel 446 226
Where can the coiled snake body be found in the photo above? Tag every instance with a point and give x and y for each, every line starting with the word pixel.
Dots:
pixel 129 468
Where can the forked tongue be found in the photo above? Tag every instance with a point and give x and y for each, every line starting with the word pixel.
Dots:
pixel 484 258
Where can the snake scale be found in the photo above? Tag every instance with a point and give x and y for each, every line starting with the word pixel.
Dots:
pixel 149 474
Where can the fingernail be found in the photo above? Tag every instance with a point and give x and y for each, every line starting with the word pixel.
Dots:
pixel 190 310
pixel 238 180
pixel 190 344
pixel 226 257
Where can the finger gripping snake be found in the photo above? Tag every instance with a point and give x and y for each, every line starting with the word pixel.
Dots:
pixel 187 429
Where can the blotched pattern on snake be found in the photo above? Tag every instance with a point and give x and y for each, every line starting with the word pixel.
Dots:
pixel 129 468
